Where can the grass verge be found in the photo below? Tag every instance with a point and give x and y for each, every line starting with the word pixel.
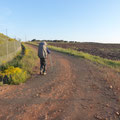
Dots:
pixel 107 62
pixel 110 63
pixel 20 68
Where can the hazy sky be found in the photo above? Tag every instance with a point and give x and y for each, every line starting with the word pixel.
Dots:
pixel 80 20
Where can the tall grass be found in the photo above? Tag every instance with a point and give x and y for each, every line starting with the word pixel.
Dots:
pixel 20 68
pixel 107 62
pixel 29 60
pixel 4 38
pixel 8 48
pixel 110 63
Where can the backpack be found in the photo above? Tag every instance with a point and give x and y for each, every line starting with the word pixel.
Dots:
pixel 42 50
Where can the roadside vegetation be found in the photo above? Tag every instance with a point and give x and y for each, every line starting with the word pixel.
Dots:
pixel 110 63
pixel 20 68
pixel 4 38
pixel 114 64
pixel 109 51
pixel 9 47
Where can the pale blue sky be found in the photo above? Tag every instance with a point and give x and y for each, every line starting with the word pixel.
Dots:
pixel 79 20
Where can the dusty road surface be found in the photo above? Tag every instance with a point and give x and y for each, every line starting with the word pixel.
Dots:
pixel 73 89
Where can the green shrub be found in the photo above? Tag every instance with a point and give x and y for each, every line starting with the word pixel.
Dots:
pixel 14 75
pixel 20 68
pixel 28 61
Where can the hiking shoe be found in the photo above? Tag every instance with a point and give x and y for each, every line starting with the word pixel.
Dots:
pixel 44 73
pixel 41 72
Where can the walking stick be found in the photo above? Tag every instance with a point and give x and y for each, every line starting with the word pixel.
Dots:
pixel 51 63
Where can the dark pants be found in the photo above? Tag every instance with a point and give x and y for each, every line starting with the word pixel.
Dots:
pixel 42 64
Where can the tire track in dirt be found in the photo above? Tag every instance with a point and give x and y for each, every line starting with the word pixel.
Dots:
pixel 73 89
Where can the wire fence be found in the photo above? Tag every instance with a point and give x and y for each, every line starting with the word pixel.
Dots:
pixel 8 50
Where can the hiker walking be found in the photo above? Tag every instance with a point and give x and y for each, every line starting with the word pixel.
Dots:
pixel 42 53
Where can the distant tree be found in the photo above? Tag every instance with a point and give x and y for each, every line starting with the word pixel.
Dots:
pixel 55 40
pixel 33 40
pixel 58 40
pixel 72 42
pixel 66 41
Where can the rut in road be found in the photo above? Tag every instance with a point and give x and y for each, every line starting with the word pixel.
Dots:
pixel 73 89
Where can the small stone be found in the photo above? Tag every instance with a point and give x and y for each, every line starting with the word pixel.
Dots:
pixel 117 113
pixel 98 117
pixel 111 86
pixel 107 105
pixel 106 119
pixel 37 95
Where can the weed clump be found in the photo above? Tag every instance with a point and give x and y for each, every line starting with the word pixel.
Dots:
pixel 13 75
pixel 20 68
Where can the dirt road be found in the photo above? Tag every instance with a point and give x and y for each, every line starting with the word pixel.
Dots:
pixel 73 89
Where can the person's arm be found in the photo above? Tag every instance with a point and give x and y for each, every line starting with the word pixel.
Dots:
pixel 48 51
pixel 38 51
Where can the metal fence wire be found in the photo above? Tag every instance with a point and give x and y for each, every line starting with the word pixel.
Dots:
pixel 8 50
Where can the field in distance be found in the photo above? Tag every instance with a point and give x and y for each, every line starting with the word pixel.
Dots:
pixel 109 51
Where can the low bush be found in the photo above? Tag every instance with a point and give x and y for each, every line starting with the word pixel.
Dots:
pixel 20 68
pixel 13 75
pixel 28 60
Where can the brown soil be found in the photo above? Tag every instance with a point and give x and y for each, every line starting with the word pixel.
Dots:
pixel 73 89
pixel 109 51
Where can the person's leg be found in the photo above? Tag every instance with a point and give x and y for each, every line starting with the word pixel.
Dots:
pixel 41 65
pixel 44 66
